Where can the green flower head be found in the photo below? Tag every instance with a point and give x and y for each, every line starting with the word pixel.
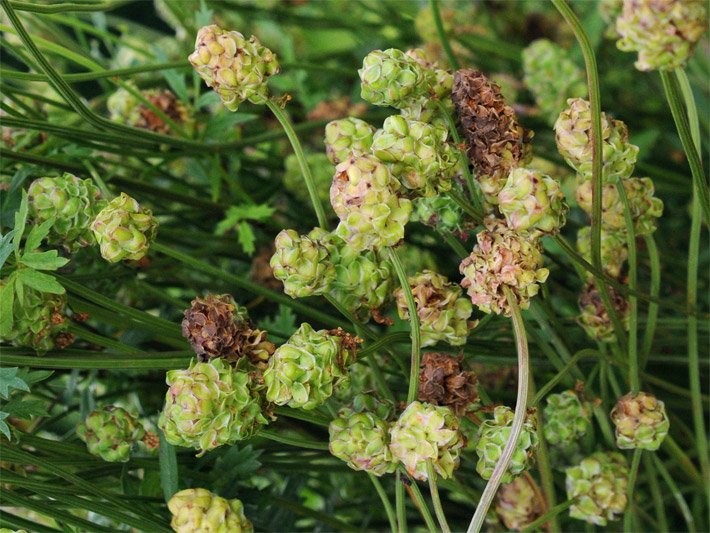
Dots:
pixel 598 486
pixel 392 78
pixel 124 230
pixel 567 418
pixel 199 510
pixel 641 421
pixel 346 138
pixel 111 433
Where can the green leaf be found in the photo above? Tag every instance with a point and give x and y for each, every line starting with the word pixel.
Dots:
pixel 207 99
pixel 48 260
pixel 246 237
pixel 4 428
pixel 6 246
pixel 252 212
pixel 204 16
pixel 25 409
pixel 40 282
pixel 7 302
pixel 34 376
pixel 37 234
pixel 283 322
pixel 167 458
pixel 10 381
pixel 20 222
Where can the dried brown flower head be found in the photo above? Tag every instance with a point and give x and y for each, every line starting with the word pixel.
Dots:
pixel 442 381
pixel 168 103
pixel 496 143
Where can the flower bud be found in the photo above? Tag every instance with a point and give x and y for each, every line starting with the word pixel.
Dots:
pixel 598 486
pixel 641 421
pixel 200 511
pixel 124 230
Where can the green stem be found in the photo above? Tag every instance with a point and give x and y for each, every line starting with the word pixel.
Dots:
pixel 442 35
pixel 298 442
pixel 385 502
pixel 423 508
pixel 96 75
pixel 68 6
pixel 652 306
pixel 305 169
pixel 465 205
pixel 400 503
pixel 414 324
pixel 557 509
pixel 682 505
pixel 587 352
pixel 630 488
pixel 656 494
pixel 434 491
pixel 518 418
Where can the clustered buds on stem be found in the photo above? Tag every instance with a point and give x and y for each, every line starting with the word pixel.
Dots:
pixel 641 421
pixel 199 510
pixel 442 381
pixel 111 433
pixel 566 417
pixel 598 486
pixel 124 230
pixel 594 317
pixel 613 249
pixel 347 137
pixel 126 108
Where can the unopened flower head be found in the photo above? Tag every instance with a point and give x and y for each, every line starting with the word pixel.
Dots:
pixel 641 421
pixel 425 432
pixel 594 317
pixel 110 433
pixel 518 503
pixel 392 78
pixel 567 418
pixel 663 32
pixel 598 486
pixel 364 196
pixel 502 258
pixel 237 68
pixel 199 510
pixel 442 309
pixel 72 204
pixel 124 230
pixel 614 249
pixel 126 108
pixel 532 201
pixel 440 212
pixel 346 138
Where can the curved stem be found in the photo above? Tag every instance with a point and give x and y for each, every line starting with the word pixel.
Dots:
pixel 682 504
pixel 518 419
pixel 414 324
pixel 655 289
pixel 400 503
pixel 305 169
pixel 385 502
pixel 422 506
pixel 630 505
pixel 434 490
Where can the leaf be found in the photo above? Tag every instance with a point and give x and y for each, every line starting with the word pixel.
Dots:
pixel 219 125
pixel 246 237
pixel 283 322
pixel 33 376
pixel 6 246
pixel 7 302
pixel 207 99
pixel 25 409
pixel 204 16
pixel 48 260
pixel 253 212
pixel 167 459
pixel 20 222
pixel 37 234
pixel 9 380
pixel 40 282
pixel 4 428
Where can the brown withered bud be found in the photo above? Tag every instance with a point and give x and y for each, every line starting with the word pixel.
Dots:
pixel 168 103
pixel 442 381
pixel 495 142
pixel 261 271
pixel 216 326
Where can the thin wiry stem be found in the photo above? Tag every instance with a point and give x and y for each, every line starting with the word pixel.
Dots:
pixel 385 502
pixel 434 490
pixel 630 491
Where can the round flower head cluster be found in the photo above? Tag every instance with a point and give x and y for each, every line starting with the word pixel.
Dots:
pixel 532 201
pixel 573 133
pixel 38 321
pixel 72 204
pixel 518 503
pixel 440 82
pixel 426 432
pixel 216 326
pixel 110 433
pixel 645 208
pixel 598 486
pixel 199 510
pixel 613 249
pixel 304 372
pixel 124 107
pixel 235 67
pixel 418 154
pixel 567 419
pixel 210 404
pixel 363 281
pixel 440 212
pixel 124 230
pixel 492 437
pixel 442 310
pixel 501 258
pixel 594 317
pixel 641 421
pixel 360 436
pixel 322 170
pixel 552 77
pixel 496 143
pixel 363 195
pixel 443 381
pixel 303 262
pixel 346 138
pixel 663 32
pixel 392 78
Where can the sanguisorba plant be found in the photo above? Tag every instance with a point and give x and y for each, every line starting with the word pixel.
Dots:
pixel 234 297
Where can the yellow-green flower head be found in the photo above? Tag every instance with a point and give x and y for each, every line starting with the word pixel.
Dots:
pixel 210 404
pixel 502 257
pixel 663 32
pixel 39 321
pixel 124 230
pixel 304 372
pixel 644 206
pixel 573 132
pixel 322 170
pixel 532 201
pixel 567 419
pixel 235 67
pixel 392 78
pixel 346 138
pixel 438 93
pixel 110 433
pixel 440 212
pixel 641 421
pixel 595 319
pixel 71 202
pixel 419 155
pixel 364 196
pixel 442 309
pixel 598 486
pixel 613 249
pixel 492 437
pixel 426 432
pixel 360 436
pixel 518 503
pixel 303 263
pixel 200 511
